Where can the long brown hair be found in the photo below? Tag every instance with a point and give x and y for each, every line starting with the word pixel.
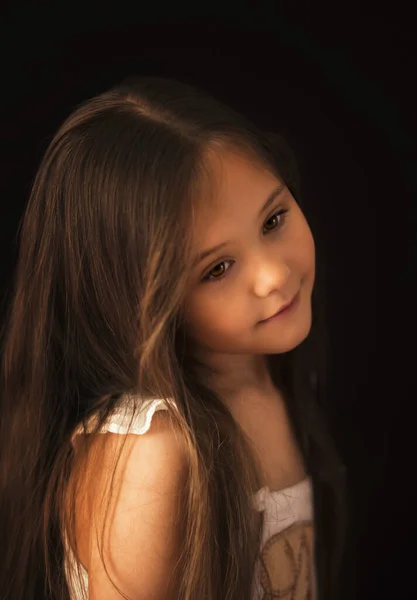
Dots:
pixel 95 315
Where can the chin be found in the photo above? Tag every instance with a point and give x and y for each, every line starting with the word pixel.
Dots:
pixel 290 339
pixel 290 346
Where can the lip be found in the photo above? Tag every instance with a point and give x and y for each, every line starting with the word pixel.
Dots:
pixel 284 309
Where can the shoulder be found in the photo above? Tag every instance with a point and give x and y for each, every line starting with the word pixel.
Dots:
pixel 143 519
pixel 159 454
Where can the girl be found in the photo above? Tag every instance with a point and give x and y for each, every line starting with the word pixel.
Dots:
pixel 161 429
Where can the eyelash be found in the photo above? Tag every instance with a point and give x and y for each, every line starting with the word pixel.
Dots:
pixel 281 213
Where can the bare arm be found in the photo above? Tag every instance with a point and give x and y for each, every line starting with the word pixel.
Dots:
pixel 145 523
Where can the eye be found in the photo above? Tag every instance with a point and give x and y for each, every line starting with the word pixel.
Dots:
pixel 211 278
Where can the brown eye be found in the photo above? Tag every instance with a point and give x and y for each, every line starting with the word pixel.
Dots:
pixel 275 217
pixel 216 267
pixel 212 276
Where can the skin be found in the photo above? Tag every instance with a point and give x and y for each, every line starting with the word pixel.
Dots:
pixel 270 258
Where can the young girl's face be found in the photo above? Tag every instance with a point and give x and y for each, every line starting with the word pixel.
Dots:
pixel 267 258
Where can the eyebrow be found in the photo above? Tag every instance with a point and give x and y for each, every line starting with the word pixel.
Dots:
pixel 272 196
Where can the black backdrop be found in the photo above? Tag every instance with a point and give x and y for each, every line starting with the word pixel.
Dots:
pixel 340 86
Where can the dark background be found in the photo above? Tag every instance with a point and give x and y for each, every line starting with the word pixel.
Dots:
pixel 339 84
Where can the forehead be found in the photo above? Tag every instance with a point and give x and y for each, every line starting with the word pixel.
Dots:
pixel 233 182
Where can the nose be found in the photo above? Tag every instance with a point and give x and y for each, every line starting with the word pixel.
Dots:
pixel 270 274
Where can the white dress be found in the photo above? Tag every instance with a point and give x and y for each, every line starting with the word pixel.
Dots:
pixel 286 565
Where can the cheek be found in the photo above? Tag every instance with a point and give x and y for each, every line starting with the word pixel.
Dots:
pixel 307 249
pixel 309 258
pixel 311 250
pixel 206 319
